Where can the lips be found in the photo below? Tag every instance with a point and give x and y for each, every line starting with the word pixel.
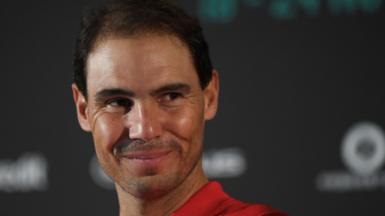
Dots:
pixel 147 155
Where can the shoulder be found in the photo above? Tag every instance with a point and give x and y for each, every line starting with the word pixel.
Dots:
pixel 233 207
pixel 212 200
pixel 256 210
pixel 228 206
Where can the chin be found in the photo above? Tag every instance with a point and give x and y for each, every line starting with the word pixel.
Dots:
pixel 150 187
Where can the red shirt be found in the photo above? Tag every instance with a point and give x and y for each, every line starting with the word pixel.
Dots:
pixel 211 200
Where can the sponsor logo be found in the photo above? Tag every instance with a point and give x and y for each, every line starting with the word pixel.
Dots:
pixel 217 163
pixel 28 173
pixel 224 11
pixel 224 163
pixel 363 153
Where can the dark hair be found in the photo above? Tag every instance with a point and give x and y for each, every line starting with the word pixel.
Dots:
pixel 135 17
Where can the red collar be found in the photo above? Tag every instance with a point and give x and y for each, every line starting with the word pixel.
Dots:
pixel 209 200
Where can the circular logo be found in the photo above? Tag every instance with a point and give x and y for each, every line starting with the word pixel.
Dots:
pixel 363 148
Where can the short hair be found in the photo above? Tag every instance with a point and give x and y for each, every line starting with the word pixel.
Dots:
pixel 136 17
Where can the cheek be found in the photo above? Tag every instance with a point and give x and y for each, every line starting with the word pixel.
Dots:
pixel 187 125
pixel 107 129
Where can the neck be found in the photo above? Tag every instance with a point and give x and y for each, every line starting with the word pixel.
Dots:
pixel 166 204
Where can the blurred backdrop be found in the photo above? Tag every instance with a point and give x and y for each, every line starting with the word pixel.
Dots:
pixel 301 121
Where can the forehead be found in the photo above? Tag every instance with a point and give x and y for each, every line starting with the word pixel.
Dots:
pixel 139 62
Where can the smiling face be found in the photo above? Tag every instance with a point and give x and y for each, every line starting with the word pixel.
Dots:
pixel 146 111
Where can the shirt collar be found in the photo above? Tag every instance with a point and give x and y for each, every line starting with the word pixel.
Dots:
pixel 206 201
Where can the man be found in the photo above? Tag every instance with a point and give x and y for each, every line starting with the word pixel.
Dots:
pixel 144 87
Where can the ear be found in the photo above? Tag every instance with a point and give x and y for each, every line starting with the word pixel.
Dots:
pixel 211 93
pixel 81 108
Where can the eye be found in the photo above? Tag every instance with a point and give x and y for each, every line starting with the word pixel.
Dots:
pixel 171 98
pixel 118 104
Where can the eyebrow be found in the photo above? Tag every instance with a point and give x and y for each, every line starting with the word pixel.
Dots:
pixel 172 87
pixel 105 93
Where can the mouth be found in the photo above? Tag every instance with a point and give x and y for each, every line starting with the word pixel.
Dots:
pixel 147 155
pixel 140 155
pixel 147 163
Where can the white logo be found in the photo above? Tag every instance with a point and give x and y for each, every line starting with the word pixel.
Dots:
pixel 363 153
pixel 219 163
pixel 363 149
pixel 28 173
pixel 224 163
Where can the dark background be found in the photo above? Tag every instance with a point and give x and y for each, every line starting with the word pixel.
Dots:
pixel 293 81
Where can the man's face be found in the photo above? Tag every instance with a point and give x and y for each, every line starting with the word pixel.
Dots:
pixel 146 111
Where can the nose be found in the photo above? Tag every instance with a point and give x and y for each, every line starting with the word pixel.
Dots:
pixel 143 122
